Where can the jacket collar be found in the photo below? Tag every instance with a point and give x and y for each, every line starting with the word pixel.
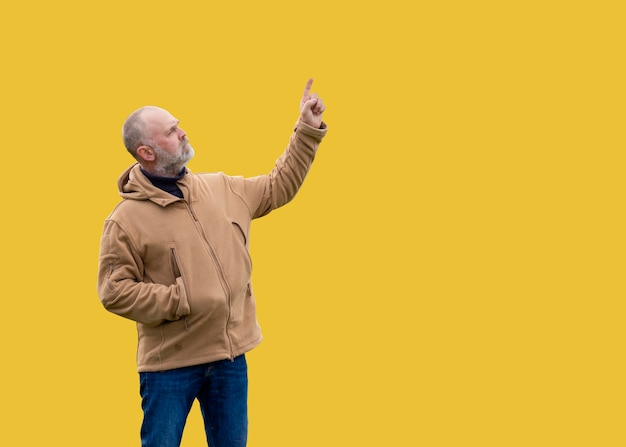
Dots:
pixel 134 185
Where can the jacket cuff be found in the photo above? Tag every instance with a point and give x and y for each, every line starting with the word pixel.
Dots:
pixel 183 304
pixel 310 131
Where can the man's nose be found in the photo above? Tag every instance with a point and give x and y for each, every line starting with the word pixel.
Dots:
pixel 181 134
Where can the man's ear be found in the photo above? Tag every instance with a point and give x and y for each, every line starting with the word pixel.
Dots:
pixel 146 153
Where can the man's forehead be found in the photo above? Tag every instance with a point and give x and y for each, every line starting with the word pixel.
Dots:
pixel 158 117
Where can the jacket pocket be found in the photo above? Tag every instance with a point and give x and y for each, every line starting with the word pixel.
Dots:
pixel 240 232
pixel 242 237
pixel 175 264
pixel 179 278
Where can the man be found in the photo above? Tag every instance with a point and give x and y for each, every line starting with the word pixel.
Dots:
pixel 174 258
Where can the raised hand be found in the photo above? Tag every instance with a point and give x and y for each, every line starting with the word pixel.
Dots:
pixel 311 107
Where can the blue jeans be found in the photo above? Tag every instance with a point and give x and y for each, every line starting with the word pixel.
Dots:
pixel 221 389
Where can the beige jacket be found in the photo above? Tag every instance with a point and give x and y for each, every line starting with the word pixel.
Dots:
pixel 181 268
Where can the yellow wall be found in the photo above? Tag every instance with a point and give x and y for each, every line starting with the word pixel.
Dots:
pixel 455 260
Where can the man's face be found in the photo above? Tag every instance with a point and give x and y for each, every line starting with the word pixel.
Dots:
pixel 169 141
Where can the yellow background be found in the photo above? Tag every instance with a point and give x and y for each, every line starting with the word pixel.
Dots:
pixel 451 273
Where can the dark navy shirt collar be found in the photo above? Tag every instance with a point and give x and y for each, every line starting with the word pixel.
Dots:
pixel 167 184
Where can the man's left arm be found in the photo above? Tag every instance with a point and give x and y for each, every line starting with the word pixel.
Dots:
pixel 268 192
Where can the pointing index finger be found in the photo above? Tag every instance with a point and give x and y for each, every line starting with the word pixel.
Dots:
pixel 307 90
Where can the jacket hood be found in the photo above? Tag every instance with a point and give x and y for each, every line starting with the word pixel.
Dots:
pixel 133 185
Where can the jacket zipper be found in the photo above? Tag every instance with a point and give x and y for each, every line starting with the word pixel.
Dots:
pixel 221 276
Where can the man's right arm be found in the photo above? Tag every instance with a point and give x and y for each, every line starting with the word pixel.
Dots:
pixel 121 287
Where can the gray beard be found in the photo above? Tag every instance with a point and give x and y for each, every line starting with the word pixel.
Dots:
pixel 170 165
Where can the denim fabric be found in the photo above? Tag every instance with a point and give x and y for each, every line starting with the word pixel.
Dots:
pixel 221 389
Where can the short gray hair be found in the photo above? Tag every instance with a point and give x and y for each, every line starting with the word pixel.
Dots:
pixel 133 131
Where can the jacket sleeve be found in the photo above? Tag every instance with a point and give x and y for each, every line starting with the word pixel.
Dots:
pixel 121 287
pixel 267 192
